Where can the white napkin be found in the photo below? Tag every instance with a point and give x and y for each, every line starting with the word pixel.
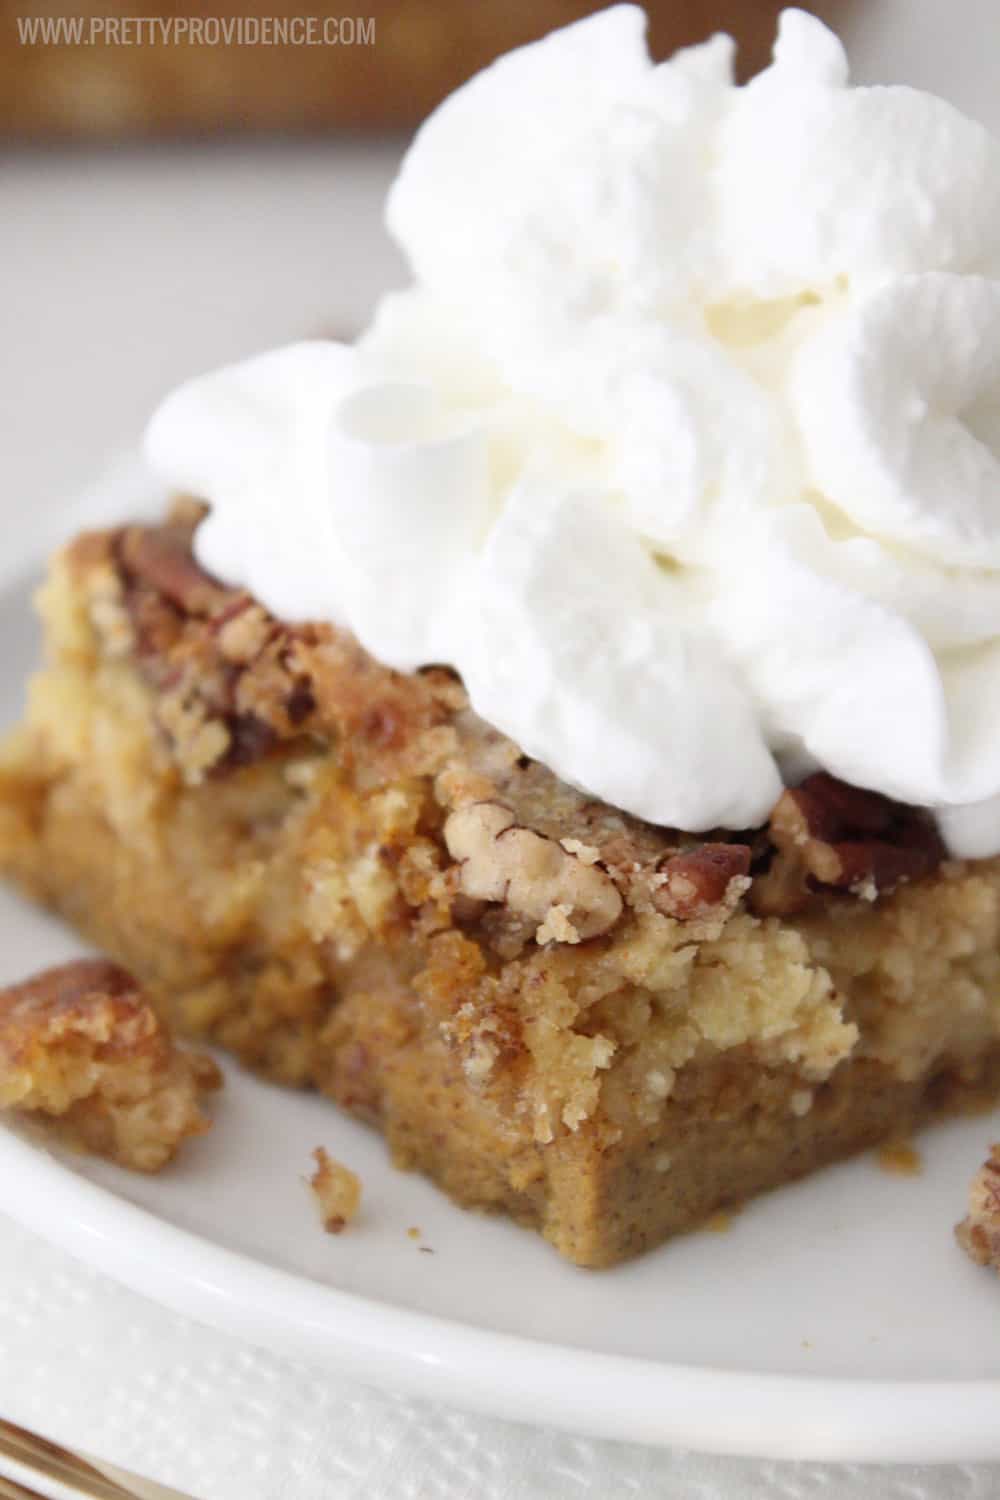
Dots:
pixel 99 1369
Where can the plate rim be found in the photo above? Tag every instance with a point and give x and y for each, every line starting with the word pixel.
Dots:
pixel 519 1379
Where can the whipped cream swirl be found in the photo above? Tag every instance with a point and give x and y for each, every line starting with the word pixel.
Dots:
pixel 683 447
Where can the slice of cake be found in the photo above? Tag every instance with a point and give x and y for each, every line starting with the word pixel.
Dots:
pixel 563 726
pixel 343 875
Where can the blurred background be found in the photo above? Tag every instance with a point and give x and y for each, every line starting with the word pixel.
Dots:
pixel 381 66
pixel 172 200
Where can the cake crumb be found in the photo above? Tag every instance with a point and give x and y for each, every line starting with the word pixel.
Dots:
pixel 557 927
pixel 337 1191
pixel 721 1221
pixel 413 1232
pixel 658 1083
pixel 979 1233
pixel 82 1047
pixel 901 1159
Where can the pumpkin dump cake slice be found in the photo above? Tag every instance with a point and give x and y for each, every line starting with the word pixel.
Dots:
pixel 340 873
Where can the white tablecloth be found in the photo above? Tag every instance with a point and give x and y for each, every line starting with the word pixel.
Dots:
pixel 100 1369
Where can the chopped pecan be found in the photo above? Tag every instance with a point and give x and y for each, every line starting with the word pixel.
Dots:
pixel 698 880
pixel 529 873
pixel 827 833
pixel 82 1045
pixel 250 739
pixel 979 1233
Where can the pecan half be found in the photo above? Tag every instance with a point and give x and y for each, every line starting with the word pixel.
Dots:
pixel 82 1045
pixel 827 833
pixel 698 880
pixel 530 874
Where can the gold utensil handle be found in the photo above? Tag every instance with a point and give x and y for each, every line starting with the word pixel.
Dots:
pixel 39 1462
pixel 11 1490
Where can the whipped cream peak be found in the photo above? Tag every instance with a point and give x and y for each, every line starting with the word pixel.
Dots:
pixel 806 55
pixel 683 447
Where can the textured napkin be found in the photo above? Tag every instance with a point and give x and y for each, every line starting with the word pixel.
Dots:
pixel 97 1368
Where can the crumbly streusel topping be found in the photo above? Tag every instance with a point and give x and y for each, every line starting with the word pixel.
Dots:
pixel 233 685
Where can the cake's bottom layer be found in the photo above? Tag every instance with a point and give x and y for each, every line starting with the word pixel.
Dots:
pixel 731 1128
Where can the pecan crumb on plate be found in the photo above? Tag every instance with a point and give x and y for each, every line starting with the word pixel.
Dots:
pixel 82 1046
pixel 900 1159
pixel 337 1191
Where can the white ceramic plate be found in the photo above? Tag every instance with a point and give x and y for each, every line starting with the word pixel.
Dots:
pixel 834 1319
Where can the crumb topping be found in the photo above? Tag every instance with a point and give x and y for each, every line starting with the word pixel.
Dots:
pixel 233 686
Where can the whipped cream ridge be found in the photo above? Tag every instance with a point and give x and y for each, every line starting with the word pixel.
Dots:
pixel 683 448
